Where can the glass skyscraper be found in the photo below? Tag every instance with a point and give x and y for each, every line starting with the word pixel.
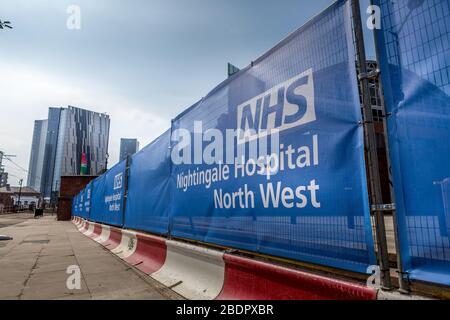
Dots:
pixel 128 147
pixel 37 154
pixel 71 132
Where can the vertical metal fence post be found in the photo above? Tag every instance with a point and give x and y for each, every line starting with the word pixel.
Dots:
pixel 403 283
pixel 372 156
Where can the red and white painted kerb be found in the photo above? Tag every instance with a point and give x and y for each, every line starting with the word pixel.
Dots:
pixel 193 272
pixel 150 254
pixel 90 229
pixel 127 246
pixel 114 238
pixel 104 235
pixel 201 273
pixel 83 226
pixel 77 221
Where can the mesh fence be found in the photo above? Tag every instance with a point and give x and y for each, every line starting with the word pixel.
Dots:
pixel 414 52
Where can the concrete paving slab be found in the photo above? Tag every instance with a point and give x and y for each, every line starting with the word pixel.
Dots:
pixel 127 294
pixel 26 249
pixel 119 280
pixel 57 253
pixel 69 260
pixel 17 264
pixel 51 290
pixel 102 265
pixel 81 296
pixel 42 278
pixel 10 290
pixel 33 265
pixel 48 267
pixel 14 279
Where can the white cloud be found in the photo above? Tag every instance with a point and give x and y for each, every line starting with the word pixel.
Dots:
pixel 26 93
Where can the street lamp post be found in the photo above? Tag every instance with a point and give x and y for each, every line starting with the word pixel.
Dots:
pixel 106 161
pixel 20 192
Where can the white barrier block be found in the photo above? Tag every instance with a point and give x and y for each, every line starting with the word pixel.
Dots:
pixel 90 230
pixel 81 225
pixel 104 236
pixel 194 272
pixel 127 244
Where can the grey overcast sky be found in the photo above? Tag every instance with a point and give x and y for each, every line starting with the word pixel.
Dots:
pixel 140 61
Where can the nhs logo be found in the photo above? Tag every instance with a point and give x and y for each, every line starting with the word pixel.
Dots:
pixel 287 105
pixel 118 181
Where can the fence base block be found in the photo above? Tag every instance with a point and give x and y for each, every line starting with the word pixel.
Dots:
pixel 191 271
pixel 150 254
pixel 249 279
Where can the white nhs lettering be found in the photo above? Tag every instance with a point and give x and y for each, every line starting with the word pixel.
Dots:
pixel 287 105
pixel 118 181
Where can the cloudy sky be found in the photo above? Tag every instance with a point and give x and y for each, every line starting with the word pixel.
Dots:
pixel 140 61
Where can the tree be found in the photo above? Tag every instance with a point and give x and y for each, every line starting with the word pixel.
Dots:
pixel 5 24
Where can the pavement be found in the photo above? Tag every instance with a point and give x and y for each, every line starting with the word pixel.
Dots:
pixel 34 264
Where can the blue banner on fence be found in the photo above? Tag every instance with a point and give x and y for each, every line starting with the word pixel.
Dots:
pixel 414 53
pixel 149 187
pixel 300 101
pixel 99 209
pixel 75 212
pixel 81 204
pixel 87 192
pixel 114 195
pixel 314 207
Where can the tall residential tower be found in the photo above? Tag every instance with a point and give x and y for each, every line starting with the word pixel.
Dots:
pixel 128 147
pixel 70 133
pixel 37 154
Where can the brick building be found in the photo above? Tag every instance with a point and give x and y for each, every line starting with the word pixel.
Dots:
pixel 70 187
pixel 6 201
pixel 25 197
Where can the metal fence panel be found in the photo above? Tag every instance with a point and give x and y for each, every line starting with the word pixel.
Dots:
pixel 83 202
pixel 328 226
pixel 75 201
pixel 99 208
pixel 87 193
pixel 315 208
pixel 414 54
pixel 149 187
pixel 114 195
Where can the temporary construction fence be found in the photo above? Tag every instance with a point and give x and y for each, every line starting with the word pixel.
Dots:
pixel 315 208
pixel 414 56
pixel 201 273
pixel 306 87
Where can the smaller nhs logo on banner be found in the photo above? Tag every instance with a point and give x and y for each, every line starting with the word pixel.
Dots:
pixel 287 105
pixel 118 181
